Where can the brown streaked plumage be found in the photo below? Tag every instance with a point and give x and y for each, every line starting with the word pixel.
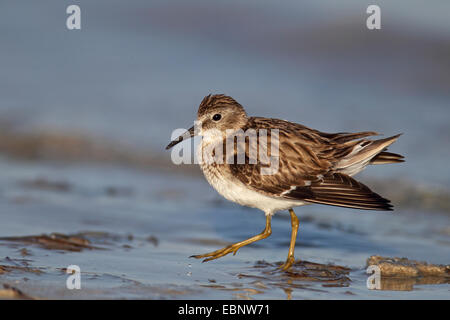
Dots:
pixel 313 166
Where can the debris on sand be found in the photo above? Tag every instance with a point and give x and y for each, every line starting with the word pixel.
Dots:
pixel 91 240
pixel 24 252
pixel 329 275
pixel 152 239
pixel 402 273
pixel 8 268
pixel 10 292
pixel 3 269
pixel 403 267
pixel 55 241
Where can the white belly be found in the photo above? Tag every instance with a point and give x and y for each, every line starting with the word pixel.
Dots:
pixel 237 192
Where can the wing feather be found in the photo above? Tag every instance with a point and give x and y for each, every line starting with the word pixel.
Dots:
pixel 308 169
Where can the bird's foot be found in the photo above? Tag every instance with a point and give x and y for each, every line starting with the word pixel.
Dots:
pixel 235 247
pixel 218 253
pixel 288 264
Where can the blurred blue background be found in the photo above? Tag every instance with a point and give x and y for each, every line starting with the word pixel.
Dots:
pixel 113 92
pixel 138 69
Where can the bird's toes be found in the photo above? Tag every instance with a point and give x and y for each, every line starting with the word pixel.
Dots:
pixel 197 256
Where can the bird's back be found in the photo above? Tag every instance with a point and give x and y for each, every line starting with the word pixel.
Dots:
pixel 341 152
pixel 314 166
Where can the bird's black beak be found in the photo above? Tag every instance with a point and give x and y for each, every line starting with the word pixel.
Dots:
pixel 185 136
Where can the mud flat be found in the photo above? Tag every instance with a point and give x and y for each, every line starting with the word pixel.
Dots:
pixel 403 274
pixel 131 231
pixel 130 220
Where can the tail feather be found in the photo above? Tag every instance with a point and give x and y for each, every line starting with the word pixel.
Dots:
pixel 368 152
pixel 387 157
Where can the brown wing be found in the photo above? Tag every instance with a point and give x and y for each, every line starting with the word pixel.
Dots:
pixel 341 190
pixel 387 157
pixel 307 168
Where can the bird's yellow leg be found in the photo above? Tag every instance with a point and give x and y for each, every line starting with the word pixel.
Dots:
pixel 235 247
pixel 290 259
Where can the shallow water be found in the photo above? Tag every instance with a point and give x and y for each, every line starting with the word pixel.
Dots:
pixel 138 69
pixel 146 229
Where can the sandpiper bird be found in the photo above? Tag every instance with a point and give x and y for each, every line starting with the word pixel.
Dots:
pixel 313 167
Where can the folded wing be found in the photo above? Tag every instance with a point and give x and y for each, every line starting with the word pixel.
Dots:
pixel 316 167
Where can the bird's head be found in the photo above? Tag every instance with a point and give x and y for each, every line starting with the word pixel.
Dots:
pixel 216 114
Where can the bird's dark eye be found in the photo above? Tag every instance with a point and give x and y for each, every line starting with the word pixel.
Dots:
pixel 217 117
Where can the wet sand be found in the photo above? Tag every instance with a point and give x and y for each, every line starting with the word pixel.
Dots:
pixel 131 232
pixel 85 116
